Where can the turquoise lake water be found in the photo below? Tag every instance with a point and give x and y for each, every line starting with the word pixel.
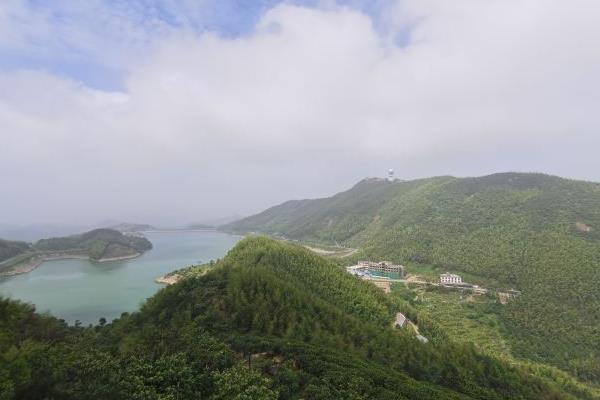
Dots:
pixel 85 291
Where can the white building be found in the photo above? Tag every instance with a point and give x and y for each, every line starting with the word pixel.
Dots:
pixel 381 266
pixel 450 279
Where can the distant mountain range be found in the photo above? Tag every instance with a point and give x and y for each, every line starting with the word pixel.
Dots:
pixel 126 227
pixel 533 232
pixel 214 222
pixel 35 232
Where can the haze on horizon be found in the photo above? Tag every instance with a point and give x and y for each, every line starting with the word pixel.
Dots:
pixel 180 111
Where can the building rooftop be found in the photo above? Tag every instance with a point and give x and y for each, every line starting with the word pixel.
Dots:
pixel 449 275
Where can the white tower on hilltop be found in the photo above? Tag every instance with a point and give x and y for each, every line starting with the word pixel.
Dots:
pixel 390 175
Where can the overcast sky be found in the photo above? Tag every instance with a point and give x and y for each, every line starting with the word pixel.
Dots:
pixel 181 111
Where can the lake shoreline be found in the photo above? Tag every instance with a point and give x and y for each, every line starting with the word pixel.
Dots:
pixel 35 262
pixel 86 290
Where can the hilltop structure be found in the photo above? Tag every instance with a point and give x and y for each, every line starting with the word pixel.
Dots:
pixel 390 175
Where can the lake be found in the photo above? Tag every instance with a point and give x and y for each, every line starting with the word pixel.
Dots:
pixel 85 291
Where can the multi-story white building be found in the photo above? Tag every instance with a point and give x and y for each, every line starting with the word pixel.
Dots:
pixel 450 279
pixel 381 266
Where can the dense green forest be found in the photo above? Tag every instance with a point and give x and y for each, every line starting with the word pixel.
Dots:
pixel 536 233
pixel 269 321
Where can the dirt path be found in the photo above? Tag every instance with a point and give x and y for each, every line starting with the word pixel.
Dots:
pixel 343 252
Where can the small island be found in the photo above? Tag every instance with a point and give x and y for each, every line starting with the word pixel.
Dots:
pixel 98 245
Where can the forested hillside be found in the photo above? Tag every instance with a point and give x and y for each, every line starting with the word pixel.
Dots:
pixel 536 233
pixel 270 321
pixel 99 243
pixel 9 249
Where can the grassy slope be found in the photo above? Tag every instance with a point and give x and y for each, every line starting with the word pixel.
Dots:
pixel 519 229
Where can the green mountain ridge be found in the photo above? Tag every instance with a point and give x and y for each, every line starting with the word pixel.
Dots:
pixel 534 232
pixel 270 321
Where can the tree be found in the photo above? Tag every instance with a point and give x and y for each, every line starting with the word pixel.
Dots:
pixel 242 383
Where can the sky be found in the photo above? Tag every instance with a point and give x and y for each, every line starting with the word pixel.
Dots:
pixel 173 112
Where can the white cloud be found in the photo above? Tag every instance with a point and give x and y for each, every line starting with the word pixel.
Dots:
pixel 309 102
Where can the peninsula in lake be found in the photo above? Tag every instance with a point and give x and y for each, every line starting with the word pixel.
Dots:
pixel 99 245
